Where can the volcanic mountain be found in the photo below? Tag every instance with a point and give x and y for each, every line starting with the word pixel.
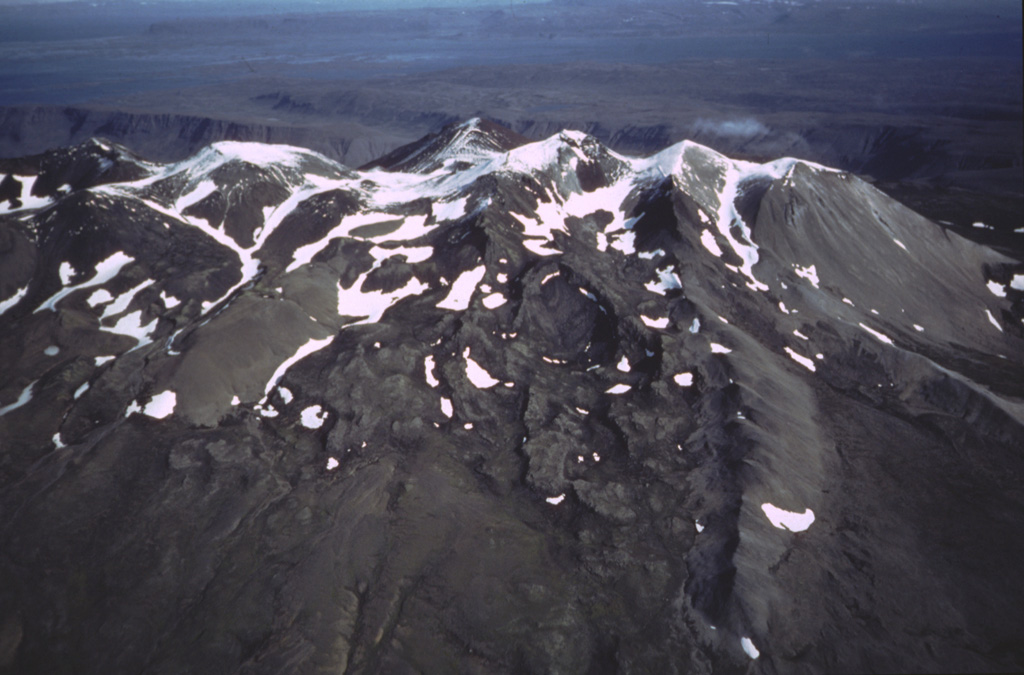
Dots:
pixel 491 405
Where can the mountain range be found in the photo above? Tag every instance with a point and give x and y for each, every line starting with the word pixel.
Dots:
pixel 488 404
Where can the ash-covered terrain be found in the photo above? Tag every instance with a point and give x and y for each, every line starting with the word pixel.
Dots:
pixel 490 405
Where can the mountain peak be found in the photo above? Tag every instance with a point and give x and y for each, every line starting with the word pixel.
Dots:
pixel 743 397
pixel 456 145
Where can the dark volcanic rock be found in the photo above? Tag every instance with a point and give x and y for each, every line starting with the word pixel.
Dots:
pixel 496 406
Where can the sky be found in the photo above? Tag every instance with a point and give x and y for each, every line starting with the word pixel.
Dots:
pixel 284 4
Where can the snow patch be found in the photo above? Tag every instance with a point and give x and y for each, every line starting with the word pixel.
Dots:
pixel 52 350
pixel 480 378
pixel 313 417
pixel 100 297
pixel 122 301
pixel 708 239
pixel 749 648
pixel 651 322
pixel 169 301
pixel 556 500
pixel 462 290
pixel 27 199
pixel 371 305
pixel 809 273
pixel 66 272
pixel 997 289
pixel 623 365
pixel 494 300
pixel 446 407
pixel 332 464
pixel 619 389
pixel 719 349
pixel 161 405
pixel 131 325
pixel 683 379
pixel 788 520
pixel 668 280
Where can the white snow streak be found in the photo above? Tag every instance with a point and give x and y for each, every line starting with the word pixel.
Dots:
pixel 992 320
pixel 105 271
pixel 13 300
pixel 305 350
pixel 881 337
pixel 802 360
pixel 24 397
pixel 428 366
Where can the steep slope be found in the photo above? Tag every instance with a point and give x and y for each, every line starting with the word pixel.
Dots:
pixel 493 406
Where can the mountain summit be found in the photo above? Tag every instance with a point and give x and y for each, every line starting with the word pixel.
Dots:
pixel 490 405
